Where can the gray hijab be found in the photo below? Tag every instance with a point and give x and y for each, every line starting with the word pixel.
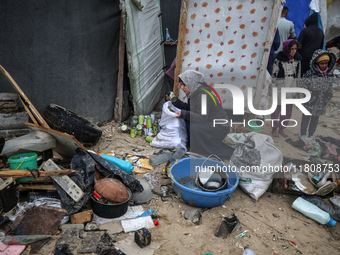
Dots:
pixel 192 79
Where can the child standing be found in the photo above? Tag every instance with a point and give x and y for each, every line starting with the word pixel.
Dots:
pixel 318 81
pixel 286 74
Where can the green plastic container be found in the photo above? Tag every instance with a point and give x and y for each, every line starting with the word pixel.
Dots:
pixel 24 161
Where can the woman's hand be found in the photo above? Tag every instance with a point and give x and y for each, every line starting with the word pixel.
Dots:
pixel 178 114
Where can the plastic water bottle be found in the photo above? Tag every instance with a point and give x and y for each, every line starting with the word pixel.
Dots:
pixel 122 164
pixel 334 212
pixel 312 211
pixel 248 251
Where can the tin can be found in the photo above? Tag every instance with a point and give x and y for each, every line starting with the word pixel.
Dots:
pixel 155 129
pixel 134 121
pixel 141 119
pixel 140 132
pixel 148 122
pixel 139 127
pixel 124 128
pixel 133 132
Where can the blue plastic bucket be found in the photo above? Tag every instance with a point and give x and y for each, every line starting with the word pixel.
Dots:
pixel 183 175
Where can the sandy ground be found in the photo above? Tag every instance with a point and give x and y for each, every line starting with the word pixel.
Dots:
pixel 270 222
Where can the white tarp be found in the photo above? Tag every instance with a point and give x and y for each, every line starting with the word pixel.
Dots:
pixel 333 21
pixel 225 40
pixel 144 53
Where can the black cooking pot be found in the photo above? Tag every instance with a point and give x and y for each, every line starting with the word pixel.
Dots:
pixel 110 210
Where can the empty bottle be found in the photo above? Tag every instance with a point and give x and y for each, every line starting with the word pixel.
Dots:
pixel 248 251
pixel 122 164
pixel 159 159
pixel 179 153
pixel 334 212
pixel 312 211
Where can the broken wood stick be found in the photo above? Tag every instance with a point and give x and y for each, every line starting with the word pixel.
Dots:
pixel 28 187
pixel 25 99
pixel 28 173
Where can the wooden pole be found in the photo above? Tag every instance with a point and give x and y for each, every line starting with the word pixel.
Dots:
pixel 119 99
pixel 25 99
pixel 180 44
pixel 269 42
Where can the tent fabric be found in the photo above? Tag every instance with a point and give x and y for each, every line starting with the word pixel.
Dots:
pixel 144 53
pixel 333 24
pixel 63 52
pixel 298 12
pixel 226 42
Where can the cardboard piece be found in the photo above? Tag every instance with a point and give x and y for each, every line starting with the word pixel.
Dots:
pixel 137 223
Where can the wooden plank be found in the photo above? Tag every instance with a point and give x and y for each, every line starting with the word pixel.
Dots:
pixel 65 182
pixel 6 173
pixel 28 111
pixel 29 187
pixel 25 98
pixel 66 144
pixel 119 100
pixel 269 42
pixel 180 44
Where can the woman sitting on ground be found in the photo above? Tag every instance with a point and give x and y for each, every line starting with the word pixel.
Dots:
pixel 205 138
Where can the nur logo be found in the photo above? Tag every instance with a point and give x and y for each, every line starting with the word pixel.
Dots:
pixel 204 98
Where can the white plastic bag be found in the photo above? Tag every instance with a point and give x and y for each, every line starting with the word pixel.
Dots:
pixel 257 159
pixel 173 134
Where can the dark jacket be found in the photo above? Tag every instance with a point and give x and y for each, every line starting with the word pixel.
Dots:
pixel 280 59
pixel 311 37
pixel 320 86
pixel 191 111
pixel 275 46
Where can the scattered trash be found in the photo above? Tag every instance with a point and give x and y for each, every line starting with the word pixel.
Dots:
pixel 24 239
pixel 228 225
pixel 242 234
pixel 142 237
pixel 137 223
pixel 248 251
pixel 319 202
pixel 194 216
pixel 161 158
pixel 122 164
pixel 144 196
pixel 312 211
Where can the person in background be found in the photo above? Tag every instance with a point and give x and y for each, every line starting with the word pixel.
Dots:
pixel 319 82
pixel 311 38
pixel 286 73
pixel 285 27
pixel 275 46
pixel 205 138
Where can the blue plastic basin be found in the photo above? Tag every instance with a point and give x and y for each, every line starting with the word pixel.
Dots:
pixel 183 175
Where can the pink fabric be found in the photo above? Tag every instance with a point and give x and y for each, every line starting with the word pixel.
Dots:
pixel 285 49
pixel 171 71
pixel 11 249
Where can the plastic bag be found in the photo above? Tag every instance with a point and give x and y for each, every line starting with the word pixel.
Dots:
pixel 255 158
pixel 173 134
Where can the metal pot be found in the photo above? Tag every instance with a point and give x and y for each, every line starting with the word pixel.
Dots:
pixel 110 210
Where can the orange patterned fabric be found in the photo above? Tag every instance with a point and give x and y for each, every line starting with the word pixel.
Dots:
pixel 225 41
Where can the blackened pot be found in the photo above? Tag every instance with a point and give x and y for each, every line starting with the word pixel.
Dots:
pixel 110 210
